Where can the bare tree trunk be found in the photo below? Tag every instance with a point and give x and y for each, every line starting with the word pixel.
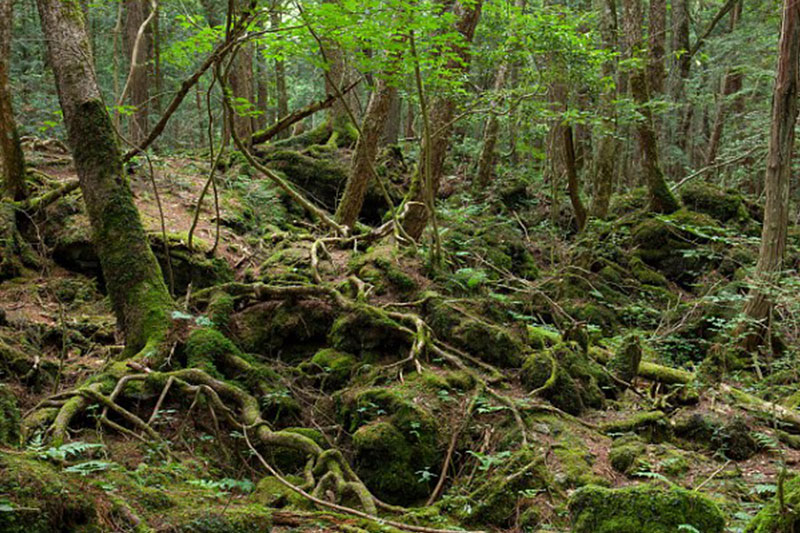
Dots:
pixel 362 167
pixel 778 174
pixel 731 84
pixel 441 116
pixel 391 130
pixel 658 31
pixel 661 198
pixel 490 132
pixel 133 278
pixel 281 96
pixel 409 122
pixel 241 84
pixel 136 12
pixel 573 185
pixel 12 160
pixel 605 159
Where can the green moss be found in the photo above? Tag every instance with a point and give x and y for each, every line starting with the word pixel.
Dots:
pixel 567 378
pixel 9 418
pixel 575 463
pixel 776 519
pixel 336 367
pixel 367 331
pixel 703 197
pixel 220 310
pixel 273 493
pixel 540 337
pixel 645 274
pixel 651 425
pixel 624 453
pixel 382 266
pixel 642 508
pixel 625 363
pixel 697 428
pixel 48 500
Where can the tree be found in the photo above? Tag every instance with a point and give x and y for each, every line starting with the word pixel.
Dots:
pixel 362 165
pixel 661 198
pixel 442 112
pixel 777 176
pixel 139 50
pixel 135 285
pixel 281 95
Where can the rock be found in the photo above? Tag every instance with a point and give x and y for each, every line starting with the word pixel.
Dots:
pixel 625 363
pixel 642 508
pixel 624 453
pixel 735 440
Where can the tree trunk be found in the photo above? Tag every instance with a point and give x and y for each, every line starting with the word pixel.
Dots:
pixel 133 278
pixel 12 160
pixel 661 198
pixel 241 83
pixel 605 159
pixel 731 84
pixel 281 96
pixel 778 174
pixel 658 30
pixel 490 132
pixel 391 130
pixel 136 12
pixel 409 122
pixel 362 167
pixel 442 111
pixel 573 186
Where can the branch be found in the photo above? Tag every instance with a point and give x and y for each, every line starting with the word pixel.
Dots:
pixel 711 25
pixel 298 115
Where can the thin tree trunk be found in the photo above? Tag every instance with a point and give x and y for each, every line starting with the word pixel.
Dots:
pixel 573 185
pixel 136 12
pixel 778 174
pixel 281 96
pixel 409 121
pixel 490 132
pixel 661 198
pixel 658 30
pixel 441 117
pixel 605 159
pixel 361 170
pixel 731 84
pixel 391 129
pixel 133 278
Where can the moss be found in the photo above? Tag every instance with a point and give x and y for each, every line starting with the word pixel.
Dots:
pixel 382 266
pixel 60 502
pixel 596 314
pixel 540 337
pixel 645 274
pixel 698 428
pixel 367 331
pixel 293 461
pixel 253 519
pixel 336 367
pixel 290 330
pixel 273 493
pixel 642 508
pixel 774 518
pixel 575 463
pixel 567 378
pixel 9 418
pixel 625 363
pixel 385 461
pixel 220 310
pixel 624 453
pixel 735 440
pixel 725 206
pixel 651 425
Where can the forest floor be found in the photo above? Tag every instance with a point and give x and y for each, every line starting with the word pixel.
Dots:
pixel 528 304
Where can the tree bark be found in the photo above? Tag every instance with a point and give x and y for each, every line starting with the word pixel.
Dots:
pixel 136 12
pixel 281 96
pixel 573 185
pixel 778 173
pixel 605 159
pixel 442 112
pixel 391 129
pixel 13 160
pixel 661 198
pixel 658 30
pixel 135 285
pixel 362 167
pixel 490 131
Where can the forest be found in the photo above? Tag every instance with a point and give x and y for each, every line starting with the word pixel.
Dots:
pixel 384 266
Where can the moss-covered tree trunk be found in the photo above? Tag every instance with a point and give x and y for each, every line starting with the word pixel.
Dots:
pixel 137 290
pixel 778 173
pixel 361 169
pixel 661 198
pixel 442 112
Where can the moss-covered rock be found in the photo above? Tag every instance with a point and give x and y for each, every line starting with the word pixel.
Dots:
pixel 272 493
pixel 697 428
pixel 368 333
pixel 9 417
pixel 625 363
pixel 625 451
pixel 45 499
pixel 653 426
pixel 642 508
pixel 331 368
pixel 735 440
pixel 567 378
pixel 540 337
pixel 703 197
pixel 385 268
